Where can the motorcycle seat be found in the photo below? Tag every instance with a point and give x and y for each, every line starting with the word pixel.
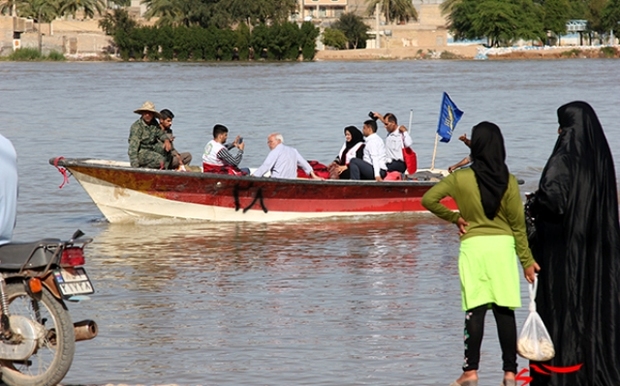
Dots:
pixel 14 255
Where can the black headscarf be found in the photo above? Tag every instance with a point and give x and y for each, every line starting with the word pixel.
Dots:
pixel 489 165
pixel 356 137
pixel 578 249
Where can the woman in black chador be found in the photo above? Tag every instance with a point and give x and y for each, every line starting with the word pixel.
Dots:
pixel 577 244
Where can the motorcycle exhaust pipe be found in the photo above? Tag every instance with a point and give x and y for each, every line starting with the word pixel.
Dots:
pixel 85 330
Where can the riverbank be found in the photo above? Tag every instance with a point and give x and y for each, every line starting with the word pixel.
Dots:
pixel 471 52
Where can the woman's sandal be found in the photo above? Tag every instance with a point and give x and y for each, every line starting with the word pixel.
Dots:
pixel 466 383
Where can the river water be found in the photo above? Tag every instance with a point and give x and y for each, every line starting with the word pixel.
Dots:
pixel 348 302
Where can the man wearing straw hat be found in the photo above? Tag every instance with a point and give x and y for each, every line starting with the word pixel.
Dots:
pixel 149 146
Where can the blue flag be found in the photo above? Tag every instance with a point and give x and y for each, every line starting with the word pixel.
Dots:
pixel 448 118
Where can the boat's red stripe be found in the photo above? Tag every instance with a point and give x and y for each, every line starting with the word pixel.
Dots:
pixel 287 196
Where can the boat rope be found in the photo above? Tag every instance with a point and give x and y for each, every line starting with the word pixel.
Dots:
pixel 62 171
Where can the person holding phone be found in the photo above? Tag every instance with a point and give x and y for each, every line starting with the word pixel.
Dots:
pixel 217 157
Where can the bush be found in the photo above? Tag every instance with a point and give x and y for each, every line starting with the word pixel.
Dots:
pixel 25 54
pixel 609 52
pixel 334 38
pixel 279 41
pixel 56 56
pixel 449 55
pixel 572 53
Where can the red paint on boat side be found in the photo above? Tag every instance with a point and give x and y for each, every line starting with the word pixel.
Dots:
pixel 300 195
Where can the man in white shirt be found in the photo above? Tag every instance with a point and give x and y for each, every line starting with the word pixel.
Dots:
pixel 218 159
pixel 373 164
pixel 8 189
pixel 282 160
pixel 398 138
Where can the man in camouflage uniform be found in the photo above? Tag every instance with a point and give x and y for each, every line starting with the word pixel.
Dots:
pixel 149 146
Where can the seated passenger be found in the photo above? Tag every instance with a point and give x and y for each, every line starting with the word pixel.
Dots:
pixel 353 147
pixel 398 138
pixel 372 166
pixel 218 159
pixel 178 159
pixel 147 142
pixel 282 160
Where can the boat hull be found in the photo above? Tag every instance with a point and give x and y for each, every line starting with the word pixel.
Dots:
pixel 125 194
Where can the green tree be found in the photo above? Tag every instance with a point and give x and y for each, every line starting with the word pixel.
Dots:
pixel 255 12
pixel 400 11
pixel 308 34
pixel 499 21
pixel 169 12
pixel 283 41
pixel 88 7
pixel 334 38
pixel 260 38
pixel 555 15
pixel 610 16
pixel 353 28
pixel 594 16
pixel 117 20
pixel 242 40
pixel 460 16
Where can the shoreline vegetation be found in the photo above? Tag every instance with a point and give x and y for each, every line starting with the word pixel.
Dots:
pixel 451 52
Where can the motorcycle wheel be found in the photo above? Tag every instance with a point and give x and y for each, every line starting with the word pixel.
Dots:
pixel 52 359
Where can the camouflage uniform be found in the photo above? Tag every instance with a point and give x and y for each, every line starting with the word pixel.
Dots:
pixel 146 146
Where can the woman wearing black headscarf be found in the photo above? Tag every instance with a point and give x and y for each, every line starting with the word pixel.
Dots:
pixel 577 244
pixel 492 229
pixel 352 148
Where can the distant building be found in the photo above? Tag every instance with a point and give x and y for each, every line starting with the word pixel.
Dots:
pixel 309 10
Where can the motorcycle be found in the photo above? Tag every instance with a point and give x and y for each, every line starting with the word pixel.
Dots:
pixel 37 337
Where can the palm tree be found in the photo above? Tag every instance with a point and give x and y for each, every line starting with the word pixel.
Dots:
pixel 168 11
pixel 89 7
pixel 394 10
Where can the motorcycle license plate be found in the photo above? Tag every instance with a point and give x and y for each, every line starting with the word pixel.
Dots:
pixel 73 281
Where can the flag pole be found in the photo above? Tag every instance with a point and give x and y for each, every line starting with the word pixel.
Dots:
pixel 434 152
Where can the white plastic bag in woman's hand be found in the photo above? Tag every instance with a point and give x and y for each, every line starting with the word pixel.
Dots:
pixel 534 341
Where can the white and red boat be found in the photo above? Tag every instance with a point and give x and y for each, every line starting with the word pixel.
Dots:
pixel 126 194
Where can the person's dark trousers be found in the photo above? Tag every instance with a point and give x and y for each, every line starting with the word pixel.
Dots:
pixel 361 170
pixel 506 330
pixel 396 166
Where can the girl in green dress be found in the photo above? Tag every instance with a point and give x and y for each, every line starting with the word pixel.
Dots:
pixel 491 225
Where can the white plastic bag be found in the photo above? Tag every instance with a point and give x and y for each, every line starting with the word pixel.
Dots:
pixel 534 341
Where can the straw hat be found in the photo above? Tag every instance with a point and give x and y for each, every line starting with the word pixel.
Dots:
pixel 149 107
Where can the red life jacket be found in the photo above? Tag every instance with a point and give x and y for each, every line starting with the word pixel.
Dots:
pixel 224 169
pixel 318 168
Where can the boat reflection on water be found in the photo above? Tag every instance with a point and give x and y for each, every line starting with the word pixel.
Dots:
pixel 386 242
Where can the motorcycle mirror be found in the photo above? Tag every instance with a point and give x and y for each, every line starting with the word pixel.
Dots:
pixel 77 235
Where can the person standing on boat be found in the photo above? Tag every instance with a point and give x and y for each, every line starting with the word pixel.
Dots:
pixel 398 138
pixel 577 242
pixel 218 159
pixel 282 161
pixel 491 224
pixel 372 166
pixel 149 146
pixel 353 147
pixel 8 189
pixel 165 123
